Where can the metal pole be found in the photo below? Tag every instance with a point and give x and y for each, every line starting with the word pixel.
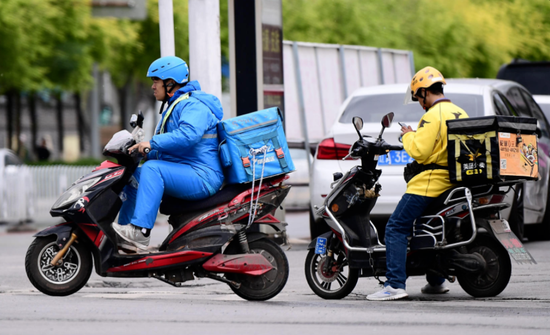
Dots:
pixel 380 67
pixel 320 90
pixel 166 28
pixel 343 69
pixel 204 45
pixel 167 44
pixel 411 60
pixel 302 103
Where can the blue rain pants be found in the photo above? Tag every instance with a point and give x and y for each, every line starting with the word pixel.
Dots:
pixel 155 178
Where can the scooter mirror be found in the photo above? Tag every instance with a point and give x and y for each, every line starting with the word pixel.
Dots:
pixel 137 120
pixel 358 123
pixel 133 120
pixel 387 120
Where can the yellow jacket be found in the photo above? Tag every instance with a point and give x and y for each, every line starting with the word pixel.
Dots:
pixel 428 145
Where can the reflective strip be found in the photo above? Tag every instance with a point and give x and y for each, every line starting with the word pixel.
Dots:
pixel 253 126
pixel 210 136
pixel 183 97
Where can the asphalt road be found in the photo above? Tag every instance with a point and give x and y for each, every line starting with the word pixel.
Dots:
pixel 145 306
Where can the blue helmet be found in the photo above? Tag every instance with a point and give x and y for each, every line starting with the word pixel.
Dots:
pixel 169 67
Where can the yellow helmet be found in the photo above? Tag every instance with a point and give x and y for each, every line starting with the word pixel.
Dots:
pixel 424 79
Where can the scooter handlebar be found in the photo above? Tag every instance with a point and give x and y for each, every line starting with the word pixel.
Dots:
pixel 395 147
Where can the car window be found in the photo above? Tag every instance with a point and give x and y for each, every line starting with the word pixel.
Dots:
pixel 371 108
pixel 503 106
pixel 515 97
pixel 536 112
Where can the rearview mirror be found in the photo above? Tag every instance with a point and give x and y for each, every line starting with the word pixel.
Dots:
pixel 358 123
pixel 387 120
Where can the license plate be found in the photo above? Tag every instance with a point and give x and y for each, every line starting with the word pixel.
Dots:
pixel 395 158
pixel 321 245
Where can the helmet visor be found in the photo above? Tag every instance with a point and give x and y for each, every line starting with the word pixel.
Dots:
pixel 409 99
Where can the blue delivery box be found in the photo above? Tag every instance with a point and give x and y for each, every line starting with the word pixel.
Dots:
pixel 253 146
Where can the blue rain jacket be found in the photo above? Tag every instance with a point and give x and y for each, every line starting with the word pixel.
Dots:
pixel 190 134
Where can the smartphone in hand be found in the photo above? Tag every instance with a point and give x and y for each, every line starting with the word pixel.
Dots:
pixel 402 124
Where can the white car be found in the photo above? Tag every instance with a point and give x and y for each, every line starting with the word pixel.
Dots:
pixel 478 97
pixel 544 102
pixel 16 195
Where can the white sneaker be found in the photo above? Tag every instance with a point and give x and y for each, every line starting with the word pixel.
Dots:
pixel 388 293
pixel 438 289
pixel 133 238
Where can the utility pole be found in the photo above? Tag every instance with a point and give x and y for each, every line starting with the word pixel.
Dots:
pixel 204 45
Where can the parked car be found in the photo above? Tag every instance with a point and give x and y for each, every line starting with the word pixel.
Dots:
pixel 16 189
pixel 298 197
pixel 478 97
pixel 544 103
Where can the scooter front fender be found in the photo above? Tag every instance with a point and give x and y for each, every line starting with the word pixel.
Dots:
pixel 311 244
pixel 62 231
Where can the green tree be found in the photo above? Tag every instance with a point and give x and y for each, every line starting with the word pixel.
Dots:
pixel 462 38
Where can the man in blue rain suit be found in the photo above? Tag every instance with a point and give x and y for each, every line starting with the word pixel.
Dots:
pixel 183 159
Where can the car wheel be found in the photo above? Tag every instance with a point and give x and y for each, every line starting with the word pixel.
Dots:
pixel 540 231
pixel 516 219
pixel 316 227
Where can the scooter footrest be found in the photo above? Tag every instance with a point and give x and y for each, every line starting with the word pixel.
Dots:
pixel 423 242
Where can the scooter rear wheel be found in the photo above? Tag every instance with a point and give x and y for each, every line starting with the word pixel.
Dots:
pixel 497 274
pixel 64 279
pixel 268 285
pixel 335 284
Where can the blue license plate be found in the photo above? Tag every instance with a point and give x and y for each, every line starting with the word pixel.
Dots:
pixel 321 245
pixel 395 158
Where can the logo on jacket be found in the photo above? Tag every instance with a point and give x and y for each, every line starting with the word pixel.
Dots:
pixel 422 123
pixel 457 115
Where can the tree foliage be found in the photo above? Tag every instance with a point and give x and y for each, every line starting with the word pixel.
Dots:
pixel 462 38
pixel 53 43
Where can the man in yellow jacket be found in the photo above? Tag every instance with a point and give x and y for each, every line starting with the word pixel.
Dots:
pixel 428 146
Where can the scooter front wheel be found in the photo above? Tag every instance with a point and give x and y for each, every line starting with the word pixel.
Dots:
pixel 337 282
pixel 69 276
pixel 268 285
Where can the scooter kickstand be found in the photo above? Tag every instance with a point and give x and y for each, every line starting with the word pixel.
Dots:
pixel 223 280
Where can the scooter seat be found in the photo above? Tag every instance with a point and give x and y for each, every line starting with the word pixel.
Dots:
pixel 172 206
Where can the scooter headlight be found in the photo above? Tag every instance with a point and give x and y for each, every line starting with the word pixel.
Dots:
pixel 74 193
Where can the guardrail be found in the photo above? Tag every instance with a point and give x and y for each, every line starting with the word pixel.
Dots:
pixel 28 192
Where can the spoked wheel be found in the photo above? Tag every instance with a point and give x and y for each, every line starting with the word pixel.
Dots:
pixel 269 284
pixel 496 275
pixel 337 282
pixel 68 276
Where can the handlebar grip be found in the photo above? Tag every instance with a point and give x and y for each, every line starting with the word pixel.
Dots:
pixel 395 147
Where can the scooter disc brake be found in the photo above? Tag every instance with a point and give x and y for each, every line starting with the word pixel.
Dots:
pixel 324 276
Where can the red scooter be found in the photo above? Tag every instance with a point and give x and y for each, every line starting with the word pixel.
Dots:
pixel 218 237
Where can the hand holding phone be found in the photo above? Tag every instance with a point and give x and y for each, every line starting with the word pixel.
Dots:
pixel 402 124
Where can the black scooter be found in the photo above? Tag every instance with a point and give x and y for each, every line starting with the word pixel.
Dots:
pixel 217 238
pixel 461 235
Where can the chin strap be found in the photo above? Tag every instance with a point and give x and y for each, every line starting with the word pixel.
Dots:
pixel 167 94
